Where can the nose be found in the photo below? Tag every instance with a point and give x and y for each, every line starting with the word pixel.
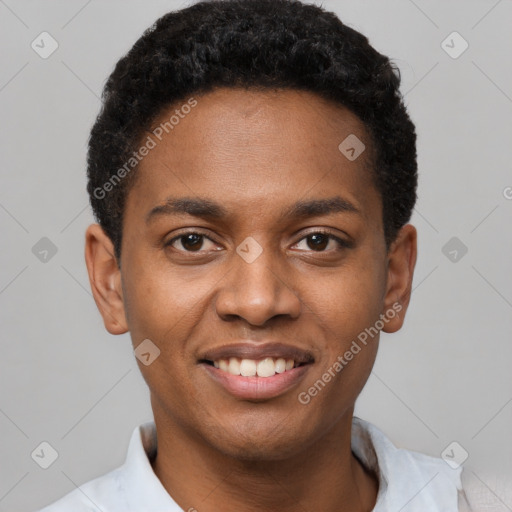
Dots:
pixel 257 291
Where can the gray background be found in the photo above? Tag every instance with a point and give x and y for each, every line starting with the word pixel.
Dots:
pixel 444 377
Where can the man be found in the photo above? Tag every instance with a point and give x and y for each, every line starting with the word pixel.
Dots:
pixel 253 171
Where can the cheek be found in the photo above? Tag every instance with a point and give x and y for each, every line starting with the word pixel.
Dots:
pixel 348 301
pixel 167 307
pixel 164 308
pixel 345 311
pixel 345 307
pixel 159 298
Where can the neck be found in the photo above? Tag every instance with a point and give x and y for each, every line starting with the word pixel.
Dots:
pixel 324 476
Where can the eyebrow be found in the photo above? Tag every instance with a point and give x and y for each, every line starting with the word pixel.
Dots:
pixel 207 209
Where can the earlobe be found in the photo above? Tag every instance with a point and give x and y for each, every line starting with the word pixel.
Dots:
pixel 401 262
pixel 105 279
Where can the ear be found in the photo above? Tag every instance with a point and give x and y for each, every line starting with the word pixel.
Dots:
pixel 401 262
pixel 105 279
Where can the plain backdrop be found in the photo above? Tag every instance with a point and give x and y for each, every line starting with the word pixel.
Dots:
pixel 444 377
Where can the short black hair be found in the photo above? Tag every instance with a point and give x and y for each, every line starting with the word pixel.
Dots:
pixel 275 44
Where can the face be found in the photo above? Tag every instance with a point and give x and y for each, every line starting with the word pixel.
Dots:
pixel 253 245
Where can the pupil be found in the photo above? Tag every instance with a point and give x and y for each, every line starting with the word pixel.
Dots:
pixel 192 242
pixel 319 241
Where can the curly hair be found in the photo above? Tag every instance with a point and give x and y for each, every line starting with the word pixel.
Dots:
pixel 278 44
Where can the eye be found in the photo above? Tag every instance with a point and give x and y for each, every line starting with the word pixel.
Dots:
pixel 319 241
pixel 190 242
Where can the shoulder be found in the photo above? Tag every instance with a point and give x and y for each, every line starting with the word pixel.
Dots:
pixel 485 491
pixel 409 480
pixel 432 471
pixel 399 464
pixel 102 494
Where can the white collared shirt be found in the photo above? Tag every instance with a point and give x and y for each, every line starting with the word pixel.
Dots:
pixel 408 481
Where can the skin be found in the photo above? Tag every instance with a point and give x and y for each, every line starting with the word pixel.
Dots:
pixel 255 153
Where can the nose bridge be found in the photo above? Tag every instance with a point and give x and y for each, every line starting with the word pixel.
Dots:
pixel 256 289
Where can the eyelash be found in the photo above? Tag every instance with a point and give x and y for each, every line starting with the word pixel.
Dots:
pixel 343 244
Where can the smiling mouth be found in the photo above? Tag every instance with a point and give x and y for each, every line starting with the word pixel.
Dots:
pixel 267 367
pixel 257 371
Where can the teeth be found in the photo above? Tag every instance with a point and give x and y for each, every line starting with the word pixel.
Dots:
pixel 248 368
pixel 280 365
pixel 267 367
pixel 234 366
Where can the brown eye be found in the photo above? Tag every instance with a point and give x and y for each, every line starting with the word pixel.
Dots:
pixel 318 241
pixel 192 241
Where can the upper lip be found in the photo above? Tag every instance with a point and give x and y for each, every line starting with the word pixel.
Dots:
pixel 256 351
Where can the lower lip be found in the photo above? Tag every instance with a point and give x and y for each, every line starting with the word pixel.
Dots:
pixel 257 388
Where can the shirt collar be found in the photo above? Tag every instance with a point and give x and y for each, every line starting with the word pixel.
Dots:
pixel 144 490
pixel 408 480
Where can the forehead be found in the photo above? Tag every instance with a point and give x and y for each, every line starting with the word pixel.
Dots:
pixel 254 149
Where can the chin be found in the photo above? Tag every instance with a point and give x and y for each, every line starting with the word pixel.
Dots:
pixel 258 451
pixel 258 441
